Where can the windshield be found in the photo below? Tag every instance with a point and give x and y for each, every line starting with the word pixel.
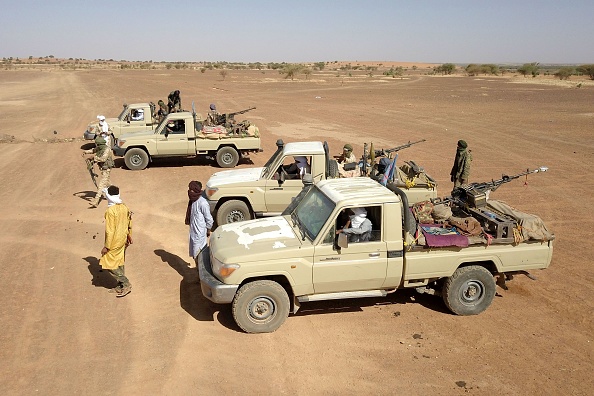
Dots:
pixel 123 114
pixel 313 211
pixel 272 160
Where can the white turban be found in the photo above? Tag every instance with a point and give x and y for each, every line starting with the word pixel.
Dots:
pixel 359 215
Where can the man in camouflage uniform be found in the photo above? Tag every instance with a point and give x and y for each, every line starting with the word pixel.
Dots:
pixel 461 168
pixel 162 112
pixel 104 159
pixel 347 157
pixel 174 102
pixel 213 116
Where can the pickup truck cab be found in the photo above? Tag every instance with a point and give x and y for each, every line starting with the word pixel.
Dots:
pixel 266 268
pixel 180 134
pixel 135 117
pixel 244 194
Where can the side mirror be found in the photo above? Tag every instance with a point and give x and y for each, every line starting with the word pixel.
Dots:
pixel 166 134
pixel 281 178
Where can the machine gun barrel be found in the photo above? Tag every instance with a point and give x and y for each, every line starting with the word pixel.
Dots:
pixel 380 153
pixel 476 194
pixel 494 184
pixel 240 112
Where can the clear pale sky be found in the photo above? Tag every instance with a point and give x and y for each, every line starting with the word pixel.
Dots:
pixel 497 31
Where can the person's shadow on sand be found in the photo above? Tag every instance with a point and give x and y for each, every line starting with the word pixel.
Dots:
pixel 100 278
pixel 190 294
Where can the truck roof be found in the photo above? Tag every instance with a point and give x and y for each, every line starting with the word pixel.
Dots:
pixel 303 148
pixel 357 190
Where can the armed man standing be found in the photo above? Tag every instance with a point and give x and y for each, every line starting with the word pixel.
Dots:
pixel 461 168
pixel 104 159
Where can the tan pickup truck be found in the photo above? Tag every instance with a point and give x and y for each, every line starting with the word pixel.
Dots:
pixel 266 268
pixel 181 135
pixel 136 117
pixel 244 194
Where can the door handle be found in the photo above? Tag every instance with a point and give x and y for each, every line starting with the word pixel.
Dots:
pixel 276 188
pixel 373 255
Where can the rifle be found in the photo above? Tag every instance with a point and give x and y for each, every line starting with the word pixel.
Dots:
pixel 383 153
pixel 90 165
pixel 475 195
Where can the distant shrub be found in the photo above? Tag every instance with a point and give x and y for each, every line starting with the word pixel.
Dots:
pixel 588 70
pixel 564 73
pixel 529 69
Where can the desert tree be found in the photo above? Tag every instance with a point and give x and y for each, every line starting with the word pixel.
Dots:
pixel 320 65
pixel 588 70
pixel 529 69
pixel 564 73
pixel 289 70
pixel 307 72
pixel 446 68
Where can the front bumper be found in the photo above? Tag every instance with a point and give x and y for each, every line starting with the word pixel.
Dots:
pixel 212 288
pixel 119 151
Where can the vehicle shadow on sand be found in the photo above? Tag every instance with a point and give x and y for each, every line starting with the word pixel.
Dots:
pixel 190 295
pixel 100 278
pixel 180 162
pixel 400 297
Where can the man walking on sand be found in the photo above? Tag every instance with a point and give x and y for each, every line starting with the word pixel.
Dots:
pixel 199 219
pixel 118 235
pixel 104 159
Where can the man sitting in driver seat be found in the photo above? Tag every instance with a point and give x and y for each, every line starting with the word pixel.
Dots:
pixel 358 227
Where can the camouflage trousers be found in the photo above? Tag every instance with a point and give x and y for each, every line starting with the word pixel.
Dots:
pixel 120 277
pixel 103 183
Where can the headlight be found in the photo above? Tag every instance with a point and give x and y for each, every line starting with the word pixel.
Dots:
pixel 222 270
pixel 121 143
pixel 210 191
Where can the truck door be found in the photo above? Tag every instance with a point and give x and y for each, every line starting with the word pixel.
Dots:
pixel 173 139
pixel 278 196
pixel 360 266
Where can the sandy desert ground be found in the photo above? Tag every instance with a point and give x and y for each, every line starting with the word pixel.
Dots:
pixel 63 334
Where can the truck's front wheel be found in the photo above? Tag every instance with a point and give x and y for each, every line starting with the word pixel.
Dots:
pixel 136 159
pixel 227 157
pixel 469 291
pixel 261 306
pixel 233 211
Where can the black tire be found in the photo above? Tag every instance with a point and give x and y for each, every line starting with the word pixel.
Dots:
pixel 332 169
pixel 469 291
pixel 261 306
pixel 227 157
pixel 233 211
pixel 136 159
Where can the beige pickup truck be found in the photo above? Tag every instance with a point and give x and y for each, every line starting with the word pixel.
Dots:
pixel 136 117
pixel 244 194
pixel 182 135
pixel 266 268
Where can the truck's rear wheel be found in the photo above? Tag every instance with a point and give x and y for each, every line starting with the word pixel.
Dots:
pixel 227 157
pixel 136 159
pixel 233 211
pixel 261 306
pixel 469 291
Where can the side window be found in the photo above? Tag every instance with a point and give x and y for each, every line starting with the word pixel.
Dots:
pixel 137 114
pixel 174 127
pixel 294 167
pixel 361 224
